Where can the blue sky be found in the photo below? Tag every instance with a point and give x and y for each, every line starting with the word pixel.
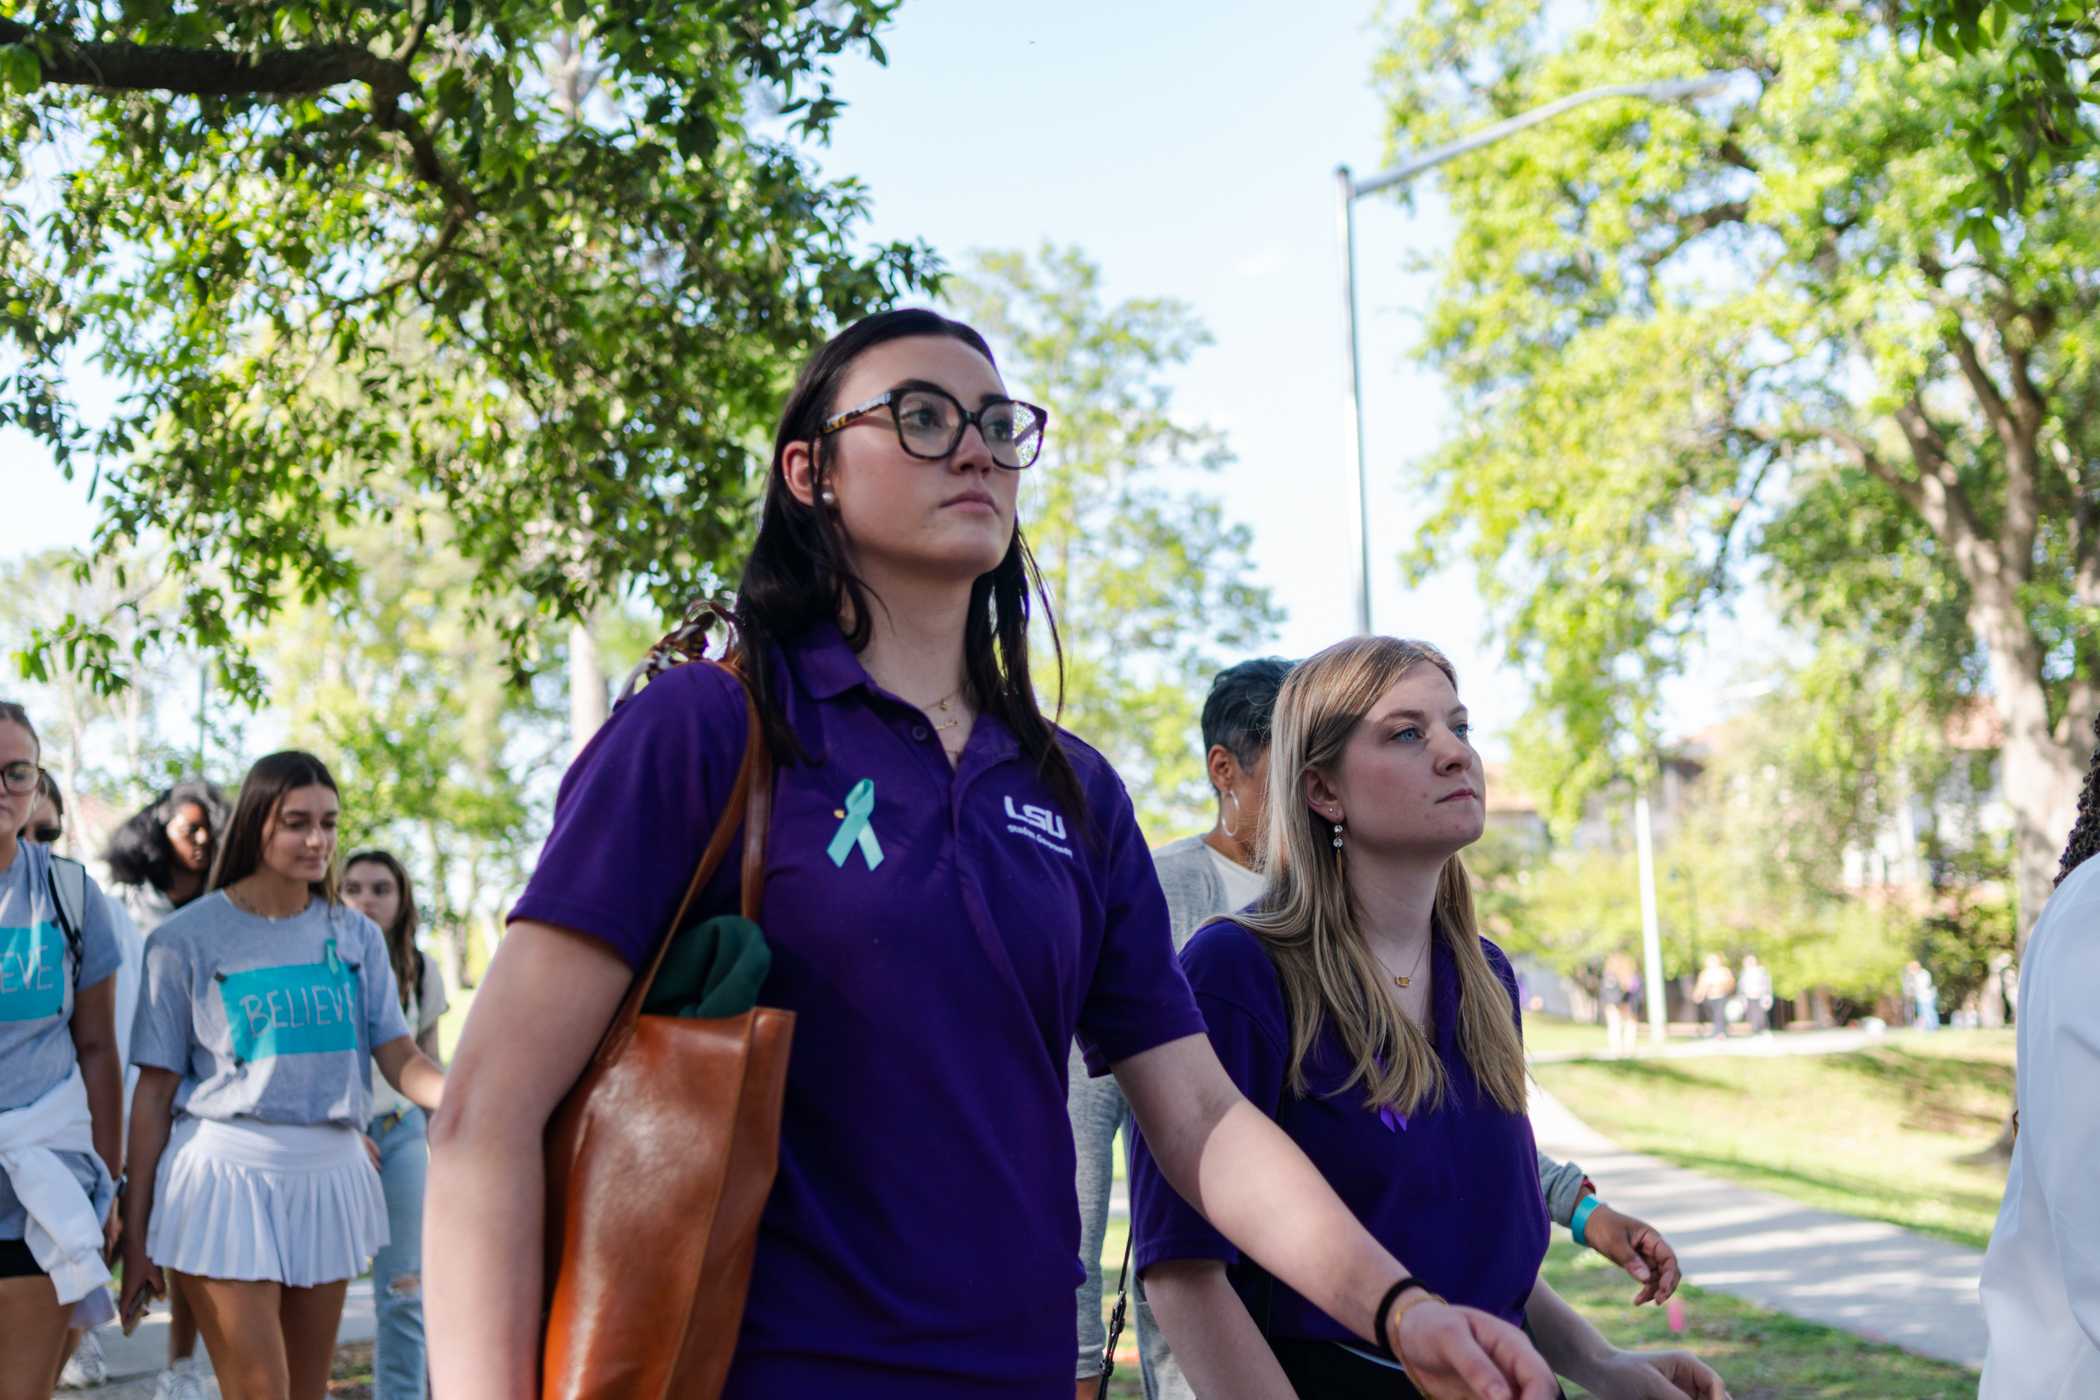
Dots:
pixel 1189 150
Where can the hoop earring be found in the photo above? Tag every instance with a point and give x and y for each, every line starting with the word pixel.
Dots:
pixel 1235 810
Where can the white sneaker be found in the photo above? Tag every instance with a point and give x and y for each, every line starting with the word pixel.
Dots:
pixel 183 1381
pixel 87 1366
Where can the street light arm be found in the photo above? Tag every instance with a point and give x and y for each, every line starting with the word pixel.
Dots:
pixel 1669 90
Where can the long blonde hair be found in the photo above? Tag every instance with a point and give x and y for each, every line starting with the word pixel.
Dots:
pixel 1313 928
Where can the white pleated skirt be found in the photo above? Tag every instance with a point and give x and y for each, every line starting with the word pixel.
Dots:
pixel 285 1203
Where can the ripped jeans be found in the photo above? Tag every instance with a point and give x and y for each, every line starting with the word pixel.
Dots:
pixel 397 1270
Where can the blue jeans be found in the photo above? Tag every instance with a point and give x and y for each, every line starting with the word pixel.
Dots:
pixel 397 1270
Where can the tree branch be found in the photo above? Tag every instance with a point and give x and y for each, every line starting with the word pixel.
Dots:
pixel 208 72
pixel 272 73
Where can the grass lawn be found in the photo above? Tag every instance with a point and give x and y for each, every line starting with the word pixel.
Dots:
pixel 1557 1035
pixel 1762 1355
pixel 1879 1133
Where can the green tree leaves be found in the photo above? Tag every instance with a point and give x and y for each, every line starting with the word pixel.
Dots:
pixel 1152 587
pixel 1748 342
pixel 541 278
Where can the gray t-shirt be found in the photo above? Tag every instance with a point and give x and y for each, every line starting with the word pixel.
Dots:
pixel 37 986
pixel 271 1019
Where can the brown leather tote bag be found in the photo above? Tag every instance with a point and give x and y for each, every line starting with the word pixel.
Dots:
pixel 658 1164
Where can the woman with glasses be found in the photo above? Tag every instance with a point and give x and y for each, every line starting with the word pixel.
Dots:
pixel 60 1131
pixel 954 887
pixel 47 818
pixel 159 860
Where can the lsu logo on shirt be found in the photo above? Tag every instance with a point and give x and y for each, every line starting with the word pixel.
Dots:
pixel 1039 824
pixel 32 972
pixel 297 1009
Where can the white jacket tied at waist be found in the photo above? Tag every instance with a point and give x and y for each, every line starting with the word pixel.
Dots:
pixel 65 1228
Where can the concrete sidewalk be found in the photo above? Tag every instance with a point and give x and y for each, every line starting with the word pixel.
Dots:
pixel 1872 1279
pixel 135 1361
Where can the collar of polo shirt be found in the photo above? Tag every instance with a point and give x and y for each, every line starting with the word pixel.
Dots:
pixel 828 668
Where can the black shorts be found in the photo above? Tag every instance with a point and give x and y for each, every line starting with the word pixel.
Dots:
pixel 16 1261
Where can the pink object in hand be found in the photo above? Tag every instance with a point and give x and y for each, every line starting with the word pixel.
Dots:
pixel 1677 1314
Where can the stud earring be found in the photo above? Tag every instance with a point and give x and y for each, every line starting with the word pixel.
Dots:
pixel 829 497
pixel 1338 838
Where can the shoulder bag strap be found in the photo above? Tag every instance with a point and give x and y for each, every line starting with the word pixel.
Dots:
pixel 750 805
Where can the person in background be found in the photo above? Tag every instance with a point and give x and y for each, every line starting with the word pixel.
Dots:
pixel 2041 1274
pixel 1755 985
pixel 158 861
pixel 60 1087
pixel 376 885
pixel 1616 992
pixel 1710 994
pixel 1924 996
pixel 47 818
pixel 1203 877
pixel 271 1000
pixel 1357 1005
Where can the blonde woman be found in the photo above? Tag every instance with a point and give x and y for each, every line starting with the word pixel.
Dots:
pixel 1358 1006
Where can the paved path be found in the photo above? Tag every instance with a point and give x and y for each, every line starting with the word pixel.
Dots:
pixel 1824 1042
pixel 134 1361
pixel 1875 1280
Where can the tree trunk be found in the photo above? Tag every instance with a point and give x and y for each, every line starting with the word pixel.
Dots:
pixel 2038 776
pixel 587 700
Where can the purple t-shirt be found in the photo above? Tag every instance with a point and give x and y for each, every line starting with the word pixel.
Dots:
pixel 922 1237
pixel 1453 1192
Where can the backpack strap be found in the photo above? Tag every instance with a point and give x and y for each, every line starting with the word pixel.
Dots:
pixel 69 893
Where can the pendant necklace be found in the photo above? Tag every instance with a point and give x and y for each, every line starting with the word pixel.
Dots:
pixel 1404 982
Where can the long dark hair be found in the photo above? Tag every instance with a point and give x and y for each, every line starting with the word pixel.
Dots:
pixel 274 775
pixel 2085 832
pixel 401 936
pixel 139 852
pixel 798 574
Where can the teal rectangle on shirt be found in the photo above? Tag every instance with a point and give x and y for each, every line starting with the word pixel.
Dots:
pixel 32 972
pixel 297 1009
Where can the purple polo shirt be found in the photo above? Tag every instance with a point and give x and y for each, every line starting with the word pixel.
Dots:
pixel 1454 1193
pixel 922 1238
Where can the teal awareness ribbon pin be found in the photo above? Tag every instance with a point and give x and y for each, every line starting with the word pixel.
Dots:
pixel 855 830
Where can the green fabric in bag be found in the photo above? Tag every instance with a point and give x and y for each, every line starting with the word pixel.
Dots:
pixel 714 968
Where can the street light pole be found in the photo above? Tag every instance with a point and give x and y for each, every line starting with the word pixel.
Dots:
pixel 1350 189
pixel 1353 413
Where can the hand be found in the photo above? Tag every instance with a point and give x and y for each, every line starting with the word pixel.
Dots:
pixel 1658 1375
pixel 142 1283
pixel 1454 1353
pixel 113 1232
pixel 372 1151
pixel 1635 1246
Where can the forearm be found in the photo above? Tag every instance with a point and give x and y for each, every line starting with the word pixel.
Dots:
pixel 1570 1345
pixel 150 1120
pixel 105 1096
pixel 1261 1192
pixel 422 1082
pixel 482 1274
pixel 1215 1342
pixel 411 1072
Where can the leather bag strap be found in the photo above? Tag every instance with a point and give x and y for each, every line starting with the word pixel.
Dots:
pixel 750 805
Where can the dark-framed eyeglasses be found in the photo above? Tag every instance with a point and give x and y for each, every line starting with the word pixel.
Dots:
pixel 930 424
pixel 21 776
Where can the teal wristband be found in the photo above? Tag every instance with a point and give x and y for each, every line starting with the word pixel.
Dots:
pixel 1581 1218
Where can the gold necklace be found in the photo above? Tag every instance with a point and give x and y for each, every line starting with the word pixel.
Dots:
pixel 242 904
pixel 1405 982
